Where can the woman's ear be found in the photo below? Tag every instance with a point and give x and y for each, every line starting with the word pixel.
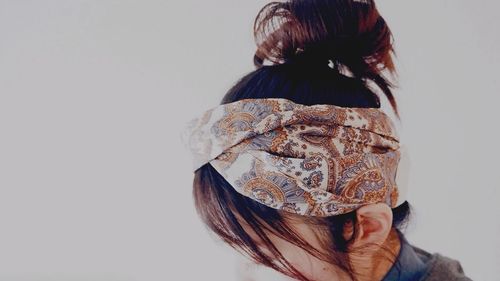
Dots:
pixel 374 224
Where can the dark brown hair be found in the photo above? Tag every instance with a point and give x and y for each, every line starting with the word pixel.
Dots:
pixel 310 52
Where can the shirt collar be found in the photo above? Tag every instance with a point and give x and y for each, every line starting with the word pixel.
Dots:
pixel 409 265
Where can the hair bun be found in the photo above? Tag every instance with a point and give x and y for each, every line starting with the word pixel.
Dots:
pixel 344 32
pixel 350 34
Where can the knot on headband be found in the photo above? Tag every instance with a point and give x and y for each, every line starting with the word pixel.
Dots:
pixel 317 160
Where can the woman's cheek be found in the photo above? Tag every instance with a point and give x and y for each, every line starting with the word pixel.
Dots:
pixel 301 260
pixel 312 267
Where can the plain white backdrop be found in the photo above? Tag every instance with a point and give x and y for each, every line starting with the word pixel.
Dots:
pixel 96 185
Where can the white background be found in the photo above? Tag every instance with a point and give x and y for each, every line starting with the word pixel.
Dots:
pixel 95 183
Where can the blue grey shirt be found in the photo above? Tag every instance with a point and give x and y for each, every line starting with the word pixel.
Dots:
pixel 415 264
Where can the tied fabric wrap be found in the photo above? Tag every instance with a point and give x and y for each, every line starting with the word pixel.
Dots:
pixel 317 160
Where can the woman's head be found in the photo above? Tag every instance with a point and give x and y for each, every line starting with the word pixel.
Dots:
pixel 319 52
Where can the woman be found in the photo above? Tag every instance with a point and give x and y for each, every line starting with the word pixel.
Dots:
pixel 296 168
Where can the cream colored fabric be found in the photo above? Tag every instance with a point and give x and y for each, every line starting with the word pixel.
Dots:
pixel 318 160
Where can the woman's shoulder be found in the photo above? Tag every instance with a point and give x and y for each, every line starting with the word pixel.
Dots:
pixel 440 267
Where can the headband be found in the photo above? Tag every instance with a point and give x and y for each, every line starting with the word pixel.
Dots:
pixel 317 160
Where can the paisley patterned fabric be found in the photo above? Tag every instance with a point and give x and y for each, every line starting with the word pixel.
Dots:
pixel 318 160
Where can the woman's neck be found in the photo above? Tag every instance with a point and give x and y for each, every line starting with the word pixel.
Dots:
pixel 382 260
